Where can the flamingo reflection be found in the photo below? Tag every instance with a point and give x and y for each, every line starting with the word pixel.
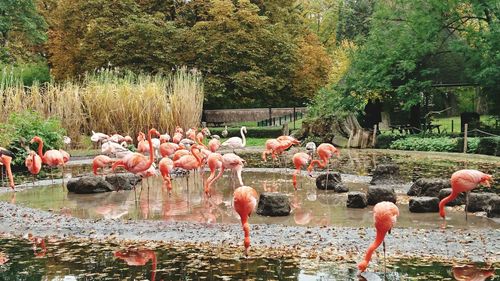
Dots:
pixel 138 257
pixel 470 272
pixel 38 242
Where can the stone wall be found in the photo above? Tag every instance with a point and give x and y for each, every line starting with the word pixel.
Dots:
pixel 247 114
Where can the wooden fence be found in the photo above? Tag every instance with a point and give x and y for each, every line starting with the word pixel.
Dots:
pixel 220 117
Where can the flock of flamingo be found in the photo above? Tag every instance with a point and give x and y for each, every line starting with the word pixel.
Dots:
pixel 190 153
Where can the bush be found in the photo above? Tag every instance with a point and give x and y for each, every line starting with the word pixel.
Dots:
pixel 385 140
pixel 444 144
pixel 22 127
pixel 472 145
pixel 252 132
pixel 27 73
pixel 489 146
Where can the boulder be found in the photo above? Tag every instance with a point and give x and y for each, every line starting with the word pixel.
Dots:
pixel 356 199
pixel 386 174
pixel 273 204
pixel 493 210
pixel 479 202
pixel 123 181
pixel 378 194
pixel 424 204
pixel 428 187
pixel 460 200
pixel 90 184
pixel 331 181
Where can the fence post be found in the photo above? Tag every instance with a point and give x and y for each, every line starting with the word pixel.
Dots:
pixel 452 125
pixel 374 135
pixel 270 115
pixel 465 137
pixel 294 117
pixel 280 120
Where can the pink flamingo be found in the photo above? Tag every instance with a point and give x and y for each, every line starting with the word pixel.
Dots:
pixel 245 201
pixel 471 273
pixel 300 159
pixel 234 163
pixel 214 162
pixel 34 164
pixel 65 155
pixel 189 162
pixel 464 181
pixel 325 152
pixel 385 215
pixel 166 164
pixel 5 160
pixel 201 135
pixel 100 161
pixel 136 162
pixel 214 144
pixel 52 158
pixel 168 148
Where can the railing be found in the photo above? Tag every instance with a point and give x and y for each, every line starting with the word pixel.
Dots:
pixel 280 120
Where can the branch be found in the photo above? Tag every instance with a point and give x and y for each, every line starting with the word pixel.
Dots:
pixel 436 112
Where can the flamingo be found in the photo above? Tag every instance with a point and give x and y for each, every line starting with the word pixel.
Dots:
pixel 288 138
pixel 234 163
pixel 245 201
pixel 276 147
pixel 168 148
pixel 224 132
pixel 236 142
pixel 116 138
pixel 214 144
pixel 166 164
pixel 385 215
pixel 98 137
pixel 471 273
pixel 139 258
pixel 325 152
pixel 300 159
pixel 52 158
pixel 464 181
pixel 189 162
pixel 34 164
pixel 165 138
pixel 214 162
pixel 191 134
pixel 6 159
pixel 100 161
pixel 201 135
pixel 65 155
pixel 114 149
pixel 136 162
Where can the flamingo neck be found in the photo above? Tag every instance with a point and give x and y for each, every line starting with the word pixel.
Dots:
pixel 243 137
pixel 246 230
pixel 378 240
pixel 153 267
pixel 445 201
pixel 198 159
pixel 151 155
pixel 40 149
pixel 6 160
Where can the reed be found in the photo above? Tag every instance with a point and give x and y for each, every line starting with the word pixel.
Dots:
pixel 111 101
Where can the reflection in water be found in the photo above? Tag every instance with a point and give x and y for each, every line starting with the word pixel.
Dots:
pixel 471 273
pixel 138 257
pixel 38 242
pixel 311 207
pixel 90 260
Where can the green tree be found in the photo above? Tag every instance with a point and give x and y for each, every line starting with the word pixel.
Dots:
pixel 19 22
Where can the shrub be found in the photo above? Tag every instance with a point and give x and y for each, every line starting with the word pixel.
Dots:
pixel 472 145
pixel 252 132
pixel 27 73
pixel 489 146
pixel 22 127
pixel 385 140
pixel 444 144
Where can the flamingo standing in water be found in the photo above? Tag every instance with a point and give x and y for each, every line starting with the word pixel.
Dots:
pixel 5 160
pixel 138 258
pixel 52 158
pixel 34 164
pixel 189 162
pixel 214 144
pixel 325 152
pixel 234 163
pixel 464 181
pixel 236 142
pixel 245 201
pixel 385 215
pixel 166 164
pixel 136 162
pixel 214 162
pixel 100 161
pixel 300 159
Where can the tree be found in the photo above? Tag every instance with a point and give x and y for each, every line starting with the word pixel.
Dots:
pixel 19 22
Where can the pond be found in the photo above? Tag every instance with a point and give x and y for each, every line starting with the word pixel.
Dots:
pixel 310 206
pixel 33 258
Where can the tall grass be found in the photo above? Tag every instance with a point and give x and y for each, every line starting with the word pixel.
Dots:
pixel 109 101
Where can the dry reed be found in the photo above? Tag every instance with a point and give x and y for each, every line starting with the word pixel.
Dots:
pixel 111 102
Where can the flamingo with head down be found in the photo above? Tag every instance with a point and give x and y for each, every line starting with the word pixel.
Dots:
pixel 52 158
pixel 5 160
pixel 245 201
pixel 325 152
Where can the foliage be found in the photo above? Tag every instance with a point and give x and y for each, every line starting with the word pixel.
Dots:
pixel 252 132
pixel 385 140
pixel 489 146
pixel 354 19
pixel 20 26
pixel 443 144
pixel 27 124
pixel 27 73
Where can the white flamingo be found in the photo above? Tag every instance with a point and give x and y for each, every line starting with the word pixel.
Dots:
pixel 98 137
pixel 236 142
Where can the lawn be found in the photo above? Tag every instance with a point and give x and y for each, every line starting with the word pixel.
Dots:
pixel 445 122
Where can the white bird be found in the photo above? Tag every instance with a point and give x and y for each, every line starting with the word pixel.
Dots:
pixel 236 142
pixel 98 137
pixel 165 137
pixel 66 140
pixel 187 143
pixel 311 147
pixel 116 138
pixel 224 132
pixel 114 149
pixel 215 137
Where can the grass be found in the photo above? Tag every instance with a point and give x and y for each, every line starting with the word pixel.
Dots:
pixel 445 122
pixel 298 125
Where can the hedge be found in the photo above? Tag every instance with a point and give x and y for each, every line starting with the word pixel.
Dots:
pixel 252 132
pixel 489 146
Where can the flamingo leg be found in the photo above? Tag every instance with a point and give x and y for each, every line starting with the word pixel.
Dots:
pixel 385 267
pixel 466 203
pixel 1 172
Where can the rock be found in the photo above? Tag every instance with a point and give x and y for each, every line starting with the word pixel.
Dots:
pixel 334 182
pixel 428 187
pixel 356 199
pixel 273 204
pixel 479 202
pixel 386 174
pixel 460 200
pixel 123 181
pixel 378 194
pixel 493 210
pixel 424 204
pixel 89 184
